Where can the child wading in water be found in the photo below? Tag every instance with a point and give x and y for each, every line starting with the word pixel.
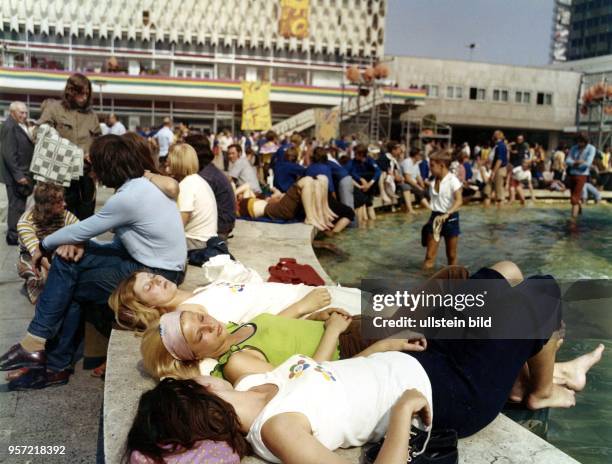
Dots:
pixel 445 193
pixel 46 216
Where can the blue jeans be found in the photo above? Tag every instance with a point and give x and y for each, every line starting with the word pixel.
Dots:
pixel 69 285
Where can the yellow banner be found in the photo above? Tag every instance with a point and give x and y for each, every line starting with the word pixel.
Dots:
pixel 256 113
pixel 294 18
pixel 327 123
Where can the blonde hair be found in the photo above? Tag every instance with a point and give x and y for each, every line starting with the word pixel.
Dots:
pixel 159 363
pixel 182 160
pixel 130 313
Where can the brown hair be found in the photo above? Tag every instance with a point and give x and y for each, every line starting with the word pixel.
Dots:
pixel 361 149
pixel 175 415
pixel 159 363
pixel 142 148
pixel 319 155
pixel 113 162
pixel 291 154
pixel 441 156
pixel 202 147
pixel 76 85
pixel 43 215
pixel 236 146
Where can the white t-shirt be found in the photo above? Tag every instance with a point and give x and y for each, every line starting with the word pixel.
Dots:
pixel 165 138
pixel 519 174
pixel 411 168
pixel 240 303
pixel 442 200
pixel 196 197
pixel 117 129
pixel 478 174
pixel 339 414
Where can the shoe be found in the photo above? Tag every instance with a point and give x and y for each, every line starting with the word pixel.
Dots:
pixel 37 378
pixel 17 357
pixel 12 241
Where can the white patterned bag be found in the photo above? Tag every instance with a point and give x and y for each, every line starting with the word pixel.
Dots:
pixel 56 159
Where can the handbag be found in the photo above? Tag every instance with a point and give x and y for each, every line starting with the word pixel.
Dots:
pixel 440 449
pixel 56 160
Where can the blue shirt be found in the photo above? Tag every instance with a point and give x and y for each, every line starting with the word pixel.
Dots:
pixel 587 155
pixel 364 170
pixel 316 169
pixel 424 168
pixel 501 153
pixel 337 171
pixel 468 170
pixel 286 173
pixel 146 222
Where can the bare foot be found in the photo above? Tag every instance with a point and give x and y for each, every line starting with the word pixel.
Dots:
pixel 573 373
pixel 315 224
pixel 560 397
pixel 519 389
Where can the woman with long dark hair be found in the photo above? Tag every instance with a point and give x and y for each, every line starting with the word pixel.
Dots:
pixel 74 119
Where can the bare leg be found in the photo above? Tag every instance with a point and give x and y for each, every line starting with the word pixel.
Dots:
pixel 381 185
pixel 510 271
pixel 572 373
pixel 323 184
pixel 408 201
pixel 341 225
pixel 362 216
pixel 521 194
pixel 543 392
pixel 451 249
pixel 431 253
pixel 371 213
pixel 307 194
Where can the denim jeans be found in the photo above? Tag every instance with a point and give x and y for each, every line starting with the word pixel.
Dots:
pixel 69 286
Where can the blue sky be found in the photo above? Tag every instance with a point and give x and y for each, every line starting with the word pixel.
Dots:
pixel 505 31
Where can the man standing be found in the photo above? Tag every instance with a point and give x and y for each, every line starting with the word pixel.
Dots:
pixel 16 148
pixel 519 152
pixel 165 138
pixel 115 126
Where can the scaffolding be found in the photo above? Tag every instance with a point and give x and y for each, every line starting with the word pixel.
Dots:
pixel 595 117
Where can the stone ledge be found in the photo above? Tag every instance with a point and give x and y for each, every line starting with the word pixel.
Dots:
pixel 260 245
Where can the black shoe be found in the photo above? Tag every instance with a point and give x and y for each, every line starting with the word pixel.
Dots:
pixel 37 378
pixel 17 357
pixel 12 241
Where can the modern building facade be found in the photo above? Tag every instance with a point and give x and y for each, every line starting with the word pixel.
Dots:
pixel 154 58
pixel 590 30
pixel 477 98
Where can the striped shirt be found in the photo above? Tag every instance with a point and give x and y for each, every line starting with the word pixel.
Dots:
pixel 27 229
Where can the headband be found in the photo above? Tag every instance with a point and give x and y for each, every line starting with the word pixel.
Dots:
pixel 173 338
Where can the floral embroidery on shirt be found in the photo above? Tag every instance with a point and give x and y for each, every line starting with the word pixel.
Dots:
pixel 298 369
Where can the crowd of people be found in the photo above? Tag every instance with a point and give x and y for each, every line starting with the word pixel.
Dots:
pixel 177 194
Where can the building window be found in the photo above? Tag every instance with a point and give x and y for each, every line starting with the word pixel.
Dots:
pixel 544 98
pixel 432 90
pixel 500 95
pixel 522 97
pixel 454 92
pixel 477 93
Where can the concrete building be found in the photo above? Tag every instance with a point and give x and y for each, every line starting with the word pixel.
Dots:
pixel 477 98
pixel 590 30
pixel 186 58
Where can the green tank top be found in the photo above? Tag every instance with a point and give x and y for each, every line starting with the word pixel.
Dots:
pixel 278 338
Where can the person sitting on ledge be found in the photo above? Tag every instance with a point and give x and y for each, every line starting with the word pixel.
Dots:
pixel 307 196
pixel 196 200
pixel 48 214
pixel 450 385
pixel 148 234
